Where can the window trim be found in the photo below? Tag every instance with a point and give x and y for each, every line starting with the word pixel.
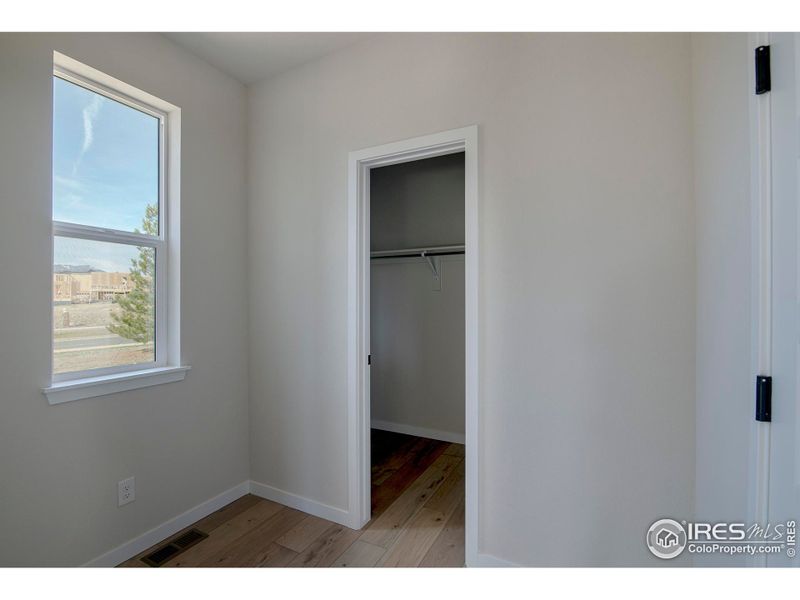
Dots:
pixel 78 389
pixel 166 366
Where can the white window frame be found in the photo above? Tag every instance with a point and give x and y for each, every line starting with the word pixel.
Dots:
pixel 166 367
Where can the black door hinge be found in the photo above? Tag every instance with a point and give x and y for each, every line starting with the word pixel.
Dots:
pixel 369 359
pixel 763 77
pixel 763 398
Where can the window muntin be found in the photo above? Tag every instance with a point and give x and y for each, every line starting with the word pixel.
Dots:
pixel 109 231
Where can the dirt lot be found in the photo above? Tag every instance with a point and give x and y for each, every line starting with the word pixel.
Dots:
pixel 82 315
pixel 82 340
pixel 94 359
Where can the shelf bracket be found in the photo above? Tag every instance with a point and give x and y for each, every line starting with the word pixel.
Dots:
pixel 433 263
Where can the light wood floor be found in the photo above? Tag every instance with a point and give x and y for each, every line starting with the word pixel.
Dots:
pixel 417 519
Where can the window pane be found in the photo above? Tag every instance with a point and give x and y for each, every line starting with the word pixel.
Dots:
pixel 103 305
pixel 105 160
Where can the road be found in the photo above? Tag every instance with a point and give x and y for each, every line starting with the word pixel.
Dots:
pixel 88 338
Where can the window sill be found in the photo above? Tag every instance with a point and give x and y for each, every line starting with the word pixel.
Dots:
pixel 77 389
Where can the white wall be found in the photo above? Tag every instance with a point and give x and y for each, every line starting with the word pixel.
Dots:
pixel 184 442
pixel 588 279
pixel 721 89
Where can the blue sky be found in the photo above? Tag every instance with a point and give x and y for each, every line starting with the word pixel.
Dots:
pixel 105 171
pixel 113 258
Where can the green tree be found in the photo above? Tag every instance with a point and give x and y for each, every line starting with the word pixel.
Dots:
pixel 136 319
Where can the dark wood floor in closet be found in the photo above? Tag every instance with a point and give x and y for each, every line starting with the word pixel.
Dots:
pixel 417 519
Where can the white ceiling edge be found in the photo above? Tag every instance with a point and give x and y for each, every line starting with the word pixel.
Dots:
pixel 253 57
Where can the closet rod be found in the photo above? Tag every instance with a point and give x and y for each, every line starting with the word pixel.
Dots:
pixel 410 252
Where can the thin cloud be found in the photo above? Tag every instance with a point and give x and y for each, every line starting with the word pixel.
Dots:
pixel 75 202
pixel 90 112
pixel 69 182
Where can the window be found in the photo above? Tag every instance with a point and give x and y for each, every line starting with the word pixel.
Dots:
pixel 111 234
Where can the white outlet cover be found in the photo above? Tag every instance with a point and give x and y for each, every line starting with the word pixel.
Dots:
pixel 126 491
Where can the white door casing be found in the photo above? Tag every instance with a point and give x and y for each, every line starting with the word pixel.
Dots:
pixel 359 165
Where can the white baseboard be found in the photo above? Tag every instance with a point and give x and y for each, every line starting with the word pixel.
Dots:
pixel 312 507
pixel 487 560
pixel 140 543
pixel 434 434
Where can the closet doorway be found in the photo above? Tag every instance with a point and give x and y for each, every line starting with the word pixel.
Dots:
pixel 412 352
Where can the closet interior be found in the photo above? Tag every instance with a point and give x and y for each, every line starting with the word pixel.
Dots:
pixel 417 325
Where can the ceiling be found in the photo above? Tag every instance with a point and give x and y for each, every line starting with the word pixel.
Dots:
pixel 251 57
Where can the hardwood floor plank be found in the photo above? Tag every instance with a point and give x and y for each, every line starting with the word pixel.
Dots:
pixel 448 548
pixel 450 492
pixel 385 494
pixel 227 533
pixel 455 450
pixel 360 554
pixel 393 459
pixel 384 530
pixel 254 548
pixel 226 513
pixel 415 540
pixel 276 556
pixel 384 444
pixel 393 474
pixel 327 547
pixel 301 535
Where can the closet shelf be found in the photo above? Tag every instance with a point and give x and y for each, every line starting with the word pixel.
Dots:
pixel 420 252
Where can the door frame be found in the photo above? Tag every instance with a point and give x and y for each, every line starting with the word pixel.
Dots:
pixel 358 264
pixel 760 108
pixel 776 223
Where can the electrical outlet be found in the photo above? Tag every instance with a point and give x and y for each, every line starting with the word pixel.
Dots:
pixel 126 491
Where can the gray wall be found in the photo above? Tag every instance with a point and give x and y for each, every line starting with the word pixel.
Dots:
pixel 184 442
pixel 587 289
pixel 721 89
pixel 417 333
